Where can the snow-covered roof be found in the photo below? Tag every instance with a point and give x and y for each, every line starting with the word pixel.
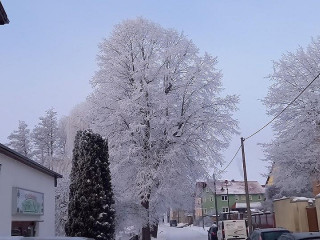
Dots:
pixel 3 16
pixel 235 187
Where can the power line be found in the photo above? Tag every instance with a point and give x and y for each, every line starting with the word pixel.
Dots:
pixel 267 124
pixel 284 108
pixel 221 171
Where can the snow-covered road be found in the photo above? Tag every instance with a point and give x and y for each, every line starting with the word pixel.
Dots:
pixel 187 233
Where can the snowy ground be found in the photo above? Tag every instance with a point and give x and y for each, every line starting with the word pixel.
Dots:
pixel 165 232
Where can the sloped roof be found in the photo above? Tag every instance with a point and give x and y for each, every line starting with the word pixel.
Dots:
pixel 19 157
pixel 3 16
pixel 234 187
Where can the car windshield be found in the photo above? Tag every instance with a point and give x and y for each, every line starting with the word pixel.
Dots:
pixel 272 235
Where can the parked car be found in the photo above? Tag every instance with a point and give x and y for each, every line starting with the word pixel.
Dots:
pixel 300 236
pixel 212 232
pixel 232 229
pixel 173 223
pixel 267 233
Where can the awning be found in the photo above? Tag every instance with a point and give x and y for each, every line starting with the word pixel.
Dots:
pixel 256 205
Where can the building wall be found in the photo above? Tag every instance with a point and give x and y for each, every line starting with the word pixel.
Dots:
pixel 291 215
pixel 16 174
pixel 209 201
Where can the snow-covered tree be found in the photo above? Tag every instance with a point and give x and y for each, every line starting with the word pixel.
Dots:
pixel 44 137
pixel 295 150
pixel 20 140
pixel 160 104
pixel 90 212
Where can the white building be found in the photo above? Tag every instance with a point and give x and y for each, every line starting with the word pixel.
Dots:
pixel 27 196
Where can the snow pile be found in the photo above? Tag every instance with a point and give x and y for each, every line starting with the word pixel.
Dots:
pixel 302 199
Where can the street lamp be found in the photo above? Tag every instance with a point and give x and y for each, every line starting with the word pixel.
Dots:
pixel 226 182
pixel 215 197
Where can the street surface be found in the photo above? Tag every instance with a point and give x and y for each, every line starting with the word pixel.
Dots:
pixel 166 232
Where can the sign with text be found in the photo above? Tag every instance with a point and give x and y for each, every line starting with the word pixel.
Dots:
pixel 27 202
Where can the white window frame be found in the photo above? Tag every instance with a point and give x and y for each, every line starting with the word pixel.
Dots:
pixel 225 209
pixel 243 197
pixel 224 197
pixel 259 197
pixel 250 197
pixel 211 199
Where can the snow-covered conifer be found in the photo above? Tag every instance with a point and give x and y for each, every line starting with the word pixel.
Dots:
pixel 44 138
pixel 20 140
pixel 90 212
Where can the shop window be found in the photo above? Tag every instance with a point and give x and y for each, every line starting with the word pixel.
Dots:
pixel 26 229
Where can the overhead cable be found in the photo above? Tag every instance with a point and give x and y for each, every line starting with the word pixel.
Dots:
pixel 221 171
pixel 284 108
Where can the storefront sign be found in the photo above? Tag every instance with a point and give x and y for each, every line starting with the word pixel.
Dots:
pixel 27 202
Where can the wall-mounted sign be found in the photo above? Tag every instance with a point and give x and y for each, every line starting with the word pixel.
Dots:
pixel 27 202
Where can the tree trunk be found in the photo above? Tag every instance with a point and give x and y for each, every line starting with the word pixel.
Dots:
pixel 146 229
pixel 146 232
pixel 154 230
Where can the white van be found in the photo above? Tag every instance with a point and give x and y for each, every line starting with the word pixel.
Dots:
pixel 232 230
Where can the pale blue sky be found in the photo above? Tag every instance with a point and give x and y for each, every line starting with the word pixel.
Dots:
pixel 48 53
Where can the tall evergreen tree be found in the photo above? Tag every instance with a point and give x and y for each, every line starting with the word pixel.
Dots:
pixel 90 212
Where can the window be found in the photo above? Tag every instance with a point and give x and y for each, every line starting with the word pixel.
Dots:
pixel 199 212
pixel 212 210
pixel 225 209
pixel 211 199
pixel 237 197
pixel 207 189
pixel 250 197
pixel 259 197
pixel 224 198
pixel 204 211
pixel 243 197
pixel 199 201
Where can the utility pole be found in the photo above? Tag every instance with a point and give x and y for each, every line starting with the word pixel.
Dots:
pixel 203 189
pixel 215 198
pixel 226 182
pixel 246 186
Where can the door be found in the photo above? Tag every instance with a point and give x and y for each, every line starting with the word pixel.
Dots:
pixel 312 219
